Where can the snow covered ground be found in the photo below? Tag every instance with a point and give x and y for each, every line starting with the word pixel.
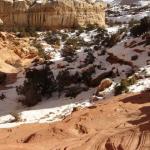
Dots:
pixel 128 18
pixel 12 113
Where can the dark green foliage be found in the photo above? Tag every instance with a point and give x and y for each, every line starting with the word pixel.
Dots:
pixel 141 28
pixel 90 58
pixel 2 96
pixel 64 36
pixel 115 38
pixel 135 57
pixel 52 38
pixel 25 32
pixel 38 83
pixel 133 22
pixel 65 79
pixel 41 51
pixel 90 27
pixel 123 86
pixel 86 75
pixel 80 29
pixel 71 45
pixel 68 51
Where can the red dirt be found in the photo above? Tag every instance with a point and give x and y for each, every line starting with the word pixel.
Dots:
pixel 119 123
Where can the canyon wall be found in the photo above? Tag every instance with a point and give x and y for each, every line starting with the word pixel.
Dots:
pixel 51 14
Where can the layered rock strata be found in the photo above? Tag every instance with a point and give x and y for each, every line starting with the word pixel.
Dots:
pixel 51 14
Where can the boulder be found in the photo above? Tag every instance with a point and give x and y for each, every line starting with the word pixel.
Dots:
pixel 104 84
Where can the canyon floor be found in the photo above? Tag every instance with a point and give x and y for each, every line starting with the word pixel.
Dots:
pixel 77 115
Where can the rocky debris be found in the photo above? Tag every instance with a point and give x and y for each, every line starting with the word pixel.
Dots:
pixel 15 52
pixel 53 14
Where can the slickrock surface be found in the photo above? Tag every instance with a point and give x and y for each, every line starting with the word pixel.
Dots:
pixel 52 14
pixel 119 123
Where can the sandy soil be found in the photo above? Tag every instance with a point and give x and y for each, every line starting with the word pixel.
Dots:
pixel 119 123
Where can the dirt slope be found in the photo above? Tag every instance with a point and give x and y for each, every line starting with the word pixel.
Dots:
pixel 120 123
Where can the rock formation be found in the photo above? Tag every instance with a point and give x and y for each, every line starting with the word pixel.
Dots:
pixel 51 14
pixel 104 84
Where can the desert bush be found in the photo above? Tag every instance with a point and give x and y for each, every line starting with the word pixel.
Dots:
pixel 133 22
pixel 135 57
pixel 17 116
pixel 90 27
pixel 41 52
pixel 25 32
pixel 122 87
pixel 38 83
pixel 74 42
pixel 115 38
pixel 71 45
pixel 64 36
pixel 2 96
pixel 90 58
pixel 67 51
pixel 87 74
pixel 52 38
pixel 141 28
pixel 64 78
pixel 80 29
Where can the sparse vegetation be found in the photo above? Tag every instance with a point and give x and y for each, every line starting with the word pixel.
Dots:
pixel 25 32
pixel 17 116
pixel 71 45
pixel 41 51
pixel 90 27
pixel 122 87
pixel 52 38
pixel 38 83
pixel 135 57
pixel 141 28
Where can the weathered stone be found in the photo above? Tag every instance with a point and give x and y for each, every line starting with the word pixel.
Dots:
pixel 104 84
pixel 53 14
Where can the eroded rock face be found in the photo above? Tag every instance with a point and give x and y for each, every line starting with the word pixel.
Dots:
pixel 51 14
